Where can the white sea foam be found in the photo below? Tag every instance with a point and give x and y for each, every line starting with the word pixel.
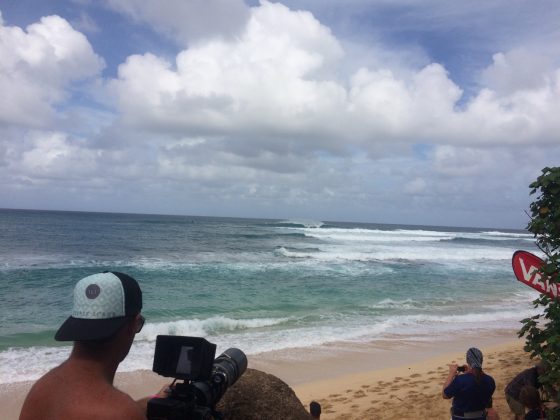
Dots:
pixel 510 234
pixel 314 224
pixel 405 235
pixel 204 327
pixel 292 254
pixel 376 235
pixel 374 252
pixel 15 363
pixel 268 334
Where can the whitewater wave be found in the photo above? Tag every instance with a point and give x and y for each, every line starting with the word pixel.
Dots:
pixel 401 254
pixel 296 252
pixel 509 234
pixel 405 236
pixel 298 223
pixel 268 334
pixel 205 327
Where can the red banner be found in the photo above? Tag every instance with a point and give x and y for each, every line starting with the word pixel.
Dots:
pixel 526 268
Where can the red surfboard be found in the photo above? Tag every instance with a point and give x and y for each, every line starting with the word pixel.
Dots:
pixel 526 268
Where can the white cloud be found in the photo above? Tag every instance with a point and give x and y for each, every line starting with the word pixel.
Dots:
pixel 280 118
pixel 187 20
pixel 274 88
pixel 38 67
pixel 86 23
pixel 416 186
pixel 524 116
pixel 54 155
pixel 262 82
pixel 517 70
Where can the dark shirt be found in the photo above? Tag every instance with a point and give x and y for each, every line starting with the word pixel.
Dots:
pixel 468 395
pixel 527 377
pixel 535 414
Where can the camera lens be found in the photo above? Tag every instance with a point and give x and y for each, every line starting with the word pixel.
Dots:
pixel 227 369
pixel 232 363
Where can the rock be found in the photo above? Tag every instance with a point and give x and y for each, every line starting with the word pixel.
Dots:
pixel 261 396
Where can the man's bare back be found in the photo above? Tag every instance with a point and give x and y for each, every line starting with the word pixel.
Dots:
pixel 82 386
pixel 70 393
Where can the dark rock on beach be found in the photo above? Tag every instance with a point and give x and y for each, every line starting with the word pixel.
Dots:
pixel 257 396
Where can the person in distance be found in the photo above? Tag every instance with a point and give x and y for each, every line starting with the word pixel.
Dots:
pixel 471 391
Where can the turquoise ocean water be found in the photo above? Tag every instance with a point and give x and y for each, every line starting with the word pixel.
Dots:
pixel 259 285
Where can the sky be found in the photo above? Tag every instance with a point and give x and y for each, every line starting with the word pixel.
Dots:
pixel 390 111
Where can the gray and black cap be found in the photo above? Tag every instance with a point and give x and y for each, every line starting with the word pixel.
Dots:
pixel 102 303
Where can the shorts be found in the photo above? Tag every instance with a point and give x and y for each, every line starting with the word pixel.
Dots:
pixel 515 406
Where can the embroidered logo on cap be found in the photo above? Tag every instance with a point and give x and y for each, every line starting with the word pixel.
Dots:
pixel 92 291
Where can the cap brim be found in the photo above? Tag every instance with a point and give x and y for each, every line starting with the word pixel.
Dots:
pixel 78 329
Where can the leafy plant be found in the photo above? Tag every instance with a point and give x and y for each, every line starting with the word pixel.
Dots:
pixel 542 331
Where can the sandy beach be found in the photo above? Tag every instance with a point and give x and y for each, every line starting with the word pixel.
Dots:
pixel 410 391
pixel 381 381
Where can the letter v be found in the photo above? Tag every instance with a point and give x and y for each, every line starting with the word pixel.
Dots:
pixel 527 274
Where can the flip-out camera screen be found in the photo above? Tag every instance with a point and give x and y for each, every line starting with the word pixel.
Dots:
pixel 188 358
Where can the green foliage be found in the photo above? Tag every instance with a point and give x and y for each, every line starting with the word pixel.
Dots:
pixel 542 332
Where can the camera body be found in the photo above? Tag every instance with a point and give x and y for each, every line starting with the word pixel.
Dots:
pixel 205 380
pixel 461 369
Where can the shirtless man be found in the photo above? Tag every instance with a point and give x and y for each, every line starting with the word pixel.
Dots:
pixel 104 321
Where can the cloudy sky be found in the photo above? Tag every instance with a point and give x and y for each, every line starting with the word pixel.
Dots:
pixel 397 111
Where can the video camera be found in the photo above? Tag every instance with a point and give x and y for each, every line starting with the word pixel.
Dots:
pixel 205 380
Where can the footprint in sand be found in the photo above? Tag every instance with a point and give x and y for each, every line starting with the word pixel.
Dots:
pixel 365 386
pixel 334 395
pixel 416 375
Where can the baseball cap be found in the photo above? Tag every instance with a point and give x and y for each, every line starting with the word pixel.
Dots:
pixel 102 303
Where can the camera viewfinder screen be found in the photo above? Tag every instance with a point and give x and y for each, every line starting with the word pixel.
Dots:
pixel 184 363
pixel 188 358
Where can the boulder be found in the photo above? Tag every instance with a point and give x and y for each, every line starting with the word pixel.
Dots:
pixel 260 396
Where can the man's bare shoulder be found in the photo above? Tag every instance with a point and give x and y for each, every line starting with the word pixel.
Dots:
pixel 56 396
pixel 41 392
pixel 121 405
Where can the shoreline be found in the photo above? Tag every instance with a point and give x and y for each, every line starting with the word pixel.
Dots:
pixel 298 366
pixel 352 378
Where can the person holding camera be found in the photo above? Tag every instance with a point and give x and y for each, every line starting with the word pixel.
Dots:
pixel 105 319
pixel 471 390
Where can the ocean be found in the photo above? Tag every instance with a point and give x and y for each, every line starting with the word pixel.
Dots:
pixel 259 285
